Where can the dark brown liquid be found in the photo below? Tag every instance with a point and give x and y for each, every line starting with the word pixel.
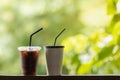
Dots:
pixel 29 62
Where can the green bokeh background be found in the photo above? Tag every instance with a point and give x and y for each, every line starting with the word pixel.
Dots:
pixel 91 39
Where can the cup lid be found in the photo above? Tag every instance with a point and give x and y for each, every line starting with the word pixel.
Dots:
pixel 29 48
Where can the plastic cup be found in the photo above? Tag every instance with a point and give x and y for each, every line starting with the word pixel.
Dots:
pixel 29 59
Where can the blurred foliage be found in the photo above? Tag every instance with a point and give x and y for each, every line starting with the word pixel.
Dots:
pixel 99 52
pixel 111 6
pixel 91 41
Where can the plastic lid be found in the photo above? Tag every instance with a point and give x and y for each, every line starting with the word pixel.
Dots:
pixel 29 48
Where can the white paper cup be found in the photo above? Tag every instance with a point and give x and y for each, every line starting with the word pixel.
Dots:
pixel 54 56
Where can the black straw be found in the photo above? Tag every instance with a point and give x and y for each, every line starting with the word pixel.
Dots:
pixel 30 41
pixel 58 36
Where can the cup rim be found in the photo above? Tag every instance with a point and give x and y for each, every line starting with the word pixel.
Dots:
pixel 29 48
pixel 54 46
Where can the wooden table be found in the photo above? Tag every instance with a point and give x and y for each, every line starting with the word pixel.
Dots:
pixel 63 77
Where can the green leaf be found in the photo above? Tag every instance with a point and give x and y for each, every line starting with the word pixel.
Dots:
pixel 118 42
pixel 114 21
pixel 75 59
pixel 105 52
pixel 111 6
pixel 84 68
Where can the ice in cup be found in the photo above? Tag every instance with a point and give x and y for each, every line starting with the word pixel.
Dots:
pixel 54 55
pixel 29 59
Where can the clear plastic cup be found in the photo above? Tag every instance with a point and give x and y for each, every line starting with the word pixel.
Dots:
pixel 29 59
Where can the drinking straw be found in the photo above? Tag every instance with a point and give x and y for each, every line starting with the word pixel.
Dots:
pixel 30 41
pixel 58 36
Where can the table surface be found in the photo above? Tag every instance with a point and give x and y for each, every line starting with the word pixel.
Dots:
pixel 63 77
